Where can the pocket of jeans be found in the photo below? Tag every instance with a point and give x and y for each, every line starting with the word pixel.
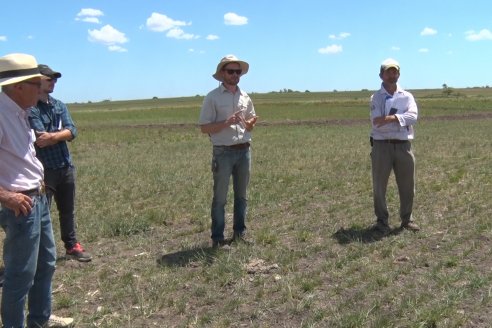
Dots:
pixel 215 165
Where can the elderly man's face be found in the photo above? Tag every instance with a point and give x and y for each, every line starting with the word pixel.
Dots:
pixel 28 92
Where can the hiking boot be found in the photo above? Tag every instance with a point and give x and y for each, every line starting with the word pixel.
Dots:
pixel 412 226
pixel 78 253
pixel 59 322
pixel 382 228
pixel 241 238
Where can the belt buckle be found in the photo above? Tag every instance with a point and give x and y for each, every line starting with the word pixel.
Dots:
pixel 42 189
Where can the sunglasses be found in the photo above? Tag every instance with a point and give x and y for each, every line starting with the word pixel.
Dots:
pixel 232 71
pixel 52 79
pixel 37 84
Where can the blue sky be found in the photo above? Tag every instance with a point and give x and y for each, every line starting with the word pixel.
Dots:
pixel 137 49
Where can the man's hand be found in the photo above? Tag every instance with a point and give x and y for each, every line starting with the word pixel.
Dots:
pixel 45 139
pixel 17 202
pixel 235 118
pixel 250 124
pixel 383 120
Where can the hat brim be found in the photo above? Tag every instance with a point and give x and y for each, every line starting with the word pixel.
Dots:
pixel 387 67
pixel 17 79
pixel 244 68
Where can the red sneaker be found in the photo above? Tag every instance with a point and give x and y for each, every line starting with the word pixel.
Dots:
pixel 78 253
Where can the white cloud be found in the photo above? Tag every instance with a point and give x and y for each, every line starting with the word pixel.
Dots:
pixel 94 20
pixel 482 35
pixel 235 19
pixel 3 38
pixel 340 36
pixel 423 50
pixel 212 37
pixel 160 23
pixel 328 50
pixel 428 31
pixel 117 48
pixel 108 36
pixel 90 12
pixel 177 33
pixel 89 15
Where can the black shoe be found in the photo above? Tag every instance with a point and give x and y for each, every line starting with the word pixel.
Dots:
pixel 381 228
pixel 219 243
pixel 238 237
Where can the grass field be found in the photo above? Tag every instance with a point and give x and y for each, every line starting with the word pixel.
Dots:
pixel 144 194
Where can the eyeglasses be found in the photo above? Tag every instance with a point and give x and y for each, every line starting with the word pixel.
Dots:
pixel 52 79
pixel 232 71
pixel 38 84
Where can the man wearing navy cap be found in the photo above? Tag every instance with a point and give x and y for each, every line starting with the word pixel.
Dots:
pixel 54 126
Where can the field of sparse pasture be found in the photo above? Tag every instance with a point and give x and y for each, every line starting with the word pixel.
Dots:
pixel 143 204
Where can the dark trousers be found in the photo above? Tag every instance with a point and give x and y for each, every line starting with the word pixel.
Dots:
pixel 60 184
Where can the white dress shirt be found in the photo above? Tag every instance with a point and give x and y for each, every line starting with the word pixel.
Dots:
pixel 20 170
pixel 402 105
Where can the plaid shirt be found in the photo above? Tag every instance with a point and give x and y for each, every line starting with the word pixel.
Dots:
pixel 52 117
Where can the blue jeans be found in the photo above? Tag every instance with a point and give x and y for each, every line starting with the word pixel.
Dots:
pixel 227 162
pixel 29 256
pixel 60 184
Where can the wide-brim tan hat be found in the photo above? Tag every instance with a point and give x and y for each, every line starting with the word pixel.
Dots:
pixel 16 68
pixel 227 60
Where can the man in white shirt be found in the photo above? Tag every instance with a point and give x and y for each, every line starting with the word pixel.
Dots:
pixel 29 252
pixel 393 115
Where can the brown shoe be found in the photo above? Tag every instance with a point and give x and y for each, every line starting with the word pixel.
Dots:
pixel 412 226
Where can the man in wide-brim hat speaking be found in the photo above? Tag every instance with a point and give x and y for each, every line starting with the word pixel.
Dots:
pixel 228 117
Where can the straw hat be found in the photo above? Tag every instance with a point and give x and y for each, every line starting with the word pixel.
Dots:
pixel 17 67
pixel 227 60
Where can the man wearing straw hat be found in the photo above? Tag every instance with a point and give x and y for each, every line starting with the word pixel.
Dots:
pixel 29 252
pixel 228 116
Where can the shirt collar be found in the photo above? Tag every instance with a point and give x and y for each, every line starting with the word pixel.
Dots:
pixel 224 89
pixel 383 90
pixel 12 105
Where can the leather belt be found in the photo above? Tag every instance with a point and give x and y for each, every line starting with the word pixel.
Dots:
pixel 392 141
pixel 34 192
pixel 237 146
